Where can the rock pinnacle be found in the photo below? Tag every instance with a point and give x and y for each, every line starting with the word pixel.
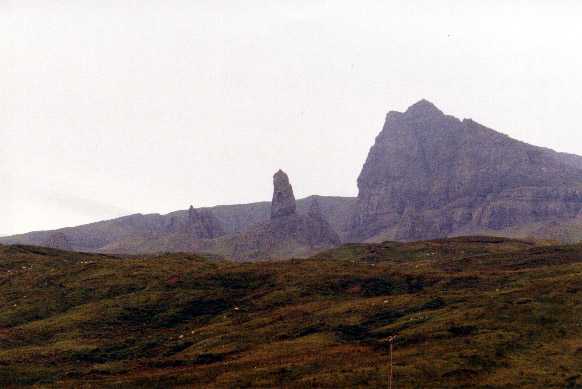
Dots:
pixel 283 199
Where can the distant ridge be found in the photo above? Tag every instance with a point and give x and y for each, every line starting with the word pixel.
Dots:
pixel 428 175
pixel 194 229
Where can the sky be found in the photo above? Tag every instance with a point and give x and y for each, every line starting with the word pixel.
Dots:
pixel 113 107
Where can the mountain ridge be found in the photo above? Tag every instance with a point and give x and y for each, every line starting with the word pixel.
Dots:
pixel 234 218
pixel 428 175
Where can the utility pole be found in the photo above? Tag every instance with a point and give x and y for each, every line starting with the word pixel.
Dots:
pixel 391 340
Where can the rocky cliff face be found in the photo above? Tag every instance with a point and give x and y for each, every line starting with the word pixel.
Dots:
pixel 432 175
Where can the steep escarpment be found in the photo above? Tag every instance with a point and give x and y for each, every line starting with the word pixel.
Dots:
pixel 432 175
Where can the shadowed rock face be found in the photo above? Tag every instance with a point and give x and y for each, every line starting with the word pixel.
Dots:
pixel 283 203
pixel 431 175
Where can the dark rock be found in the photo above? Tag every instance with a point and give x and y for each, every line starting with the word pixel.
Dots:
pixel 283 203
pixel 430 175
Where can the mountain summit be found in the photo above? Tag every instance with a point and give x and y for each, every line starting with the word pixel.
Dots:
pixel 424 109
pixel 430 175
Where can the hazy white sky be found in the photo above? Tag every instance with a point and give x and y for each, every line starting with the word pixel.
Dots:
pixel 111 107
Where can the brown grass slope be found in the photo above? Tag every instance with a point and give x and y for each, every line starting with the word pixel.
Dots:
pixel 469 312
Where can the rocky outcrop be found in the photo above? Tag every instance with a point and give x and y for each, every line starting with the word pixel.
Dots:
pixel 287 234
pixel 431 175
pixel 201 224
pixel 283 203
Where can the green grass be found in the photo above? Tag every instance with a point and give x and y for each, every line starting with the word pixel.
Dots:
pixel 468 312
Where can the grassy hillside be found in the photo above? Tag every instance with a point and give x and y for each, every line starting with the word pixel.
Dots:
pixel 478 312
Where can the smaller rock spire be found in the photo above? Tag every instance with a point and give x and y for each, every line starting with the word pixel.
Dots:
pixel 283 198
pixel 314 209
pixel 192 213
pixel 202 224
